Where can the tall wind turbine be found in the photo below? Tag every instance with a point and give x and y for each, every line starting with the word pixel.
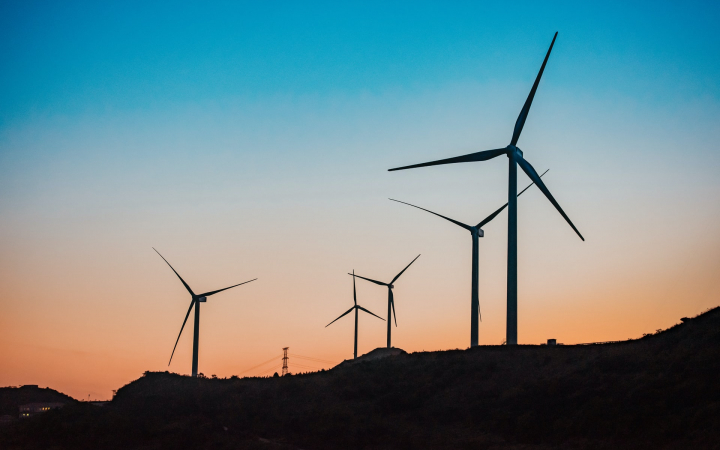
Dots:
pixel 515 158
pixel 476 232
pixel 391 301
pixel 356 308
pixel 196 300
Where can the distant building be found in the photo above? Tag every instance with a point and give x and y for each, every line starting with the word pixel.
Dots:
pixel 31 409
pixel 552 342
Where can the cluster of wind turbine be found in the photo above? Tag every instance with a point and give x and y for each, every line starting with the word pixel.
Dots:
pixel 515 158
pixel 476 232
pixel 357 308
pixel 195 302
pixel 391 300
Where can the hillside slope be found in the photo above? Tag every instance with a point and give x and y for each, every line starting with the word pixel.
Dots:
pixel 12 397
pixel 661 391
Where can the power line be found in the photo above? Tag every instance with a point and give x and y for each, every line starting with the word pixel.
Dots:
pixel 307 367
pixel 285 357
pixel 294 355
pixel 312 364
pixel 313 359
pixel 272 369
pixel 260 365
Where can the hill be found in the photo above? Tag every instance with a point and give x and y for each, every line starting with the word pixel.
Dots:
pixel 661 391
pixel 376 354
pixel 12 397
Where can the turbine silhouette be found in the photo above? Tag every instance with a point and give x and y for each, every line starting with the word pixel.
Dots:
pixel 391 301
pixel 356 308
pixel 515 158
pixel 476 232
pixel 196 300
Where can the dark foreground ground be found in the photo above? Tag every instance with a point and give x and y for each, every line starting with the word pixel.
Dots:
pixel 662 391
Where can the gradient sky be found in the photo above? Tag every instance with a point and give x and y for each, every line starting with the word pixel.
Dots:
pixel 246 140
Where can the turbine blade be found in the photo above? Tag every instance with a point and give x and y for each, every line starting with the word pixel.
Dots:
pixel 493 215
pixel 531 184
pixel 360 307
pixel 192 303
pixel 392 303
pixel 530 171
pixel 460 224
pixel 178 275
pixel 472 157
pixel 208 294
pixel 401 272
pixel 354 291
pixel 344 314
pixel 520 123
pixel 368 279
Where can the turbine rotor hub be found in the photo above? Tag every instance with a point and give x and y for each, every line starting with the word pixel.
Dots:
pixel 516 150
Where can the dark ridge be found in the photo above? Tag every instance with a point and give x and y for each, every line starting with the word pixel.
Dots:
pixel 12 397
pixel 378 353
pixel 657 392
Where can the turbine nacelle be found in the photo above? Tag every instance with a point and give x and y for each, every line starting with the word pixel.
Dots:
pixel 513 149
pixel 478 231
pixel 202 299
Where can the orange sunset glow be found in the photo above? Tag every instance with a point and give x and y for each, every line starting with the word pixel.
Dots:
pixel 248 151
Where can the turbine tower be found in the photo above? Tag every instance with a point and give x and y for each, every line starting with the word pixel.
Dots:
pixel 515 158
pixel 476 232
pixel 356 308
pixel 196 300
pixel 391 301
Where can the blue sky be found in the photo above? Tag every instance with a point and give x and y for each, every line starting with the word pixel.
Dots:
pixel 247 140
pixel 77 57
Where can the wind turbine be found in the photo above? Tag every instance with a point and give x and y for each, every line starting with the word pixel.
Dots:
pixel 356 308
pixel 196 300
pixel 391 301
pixel 515 158
pixel 476 232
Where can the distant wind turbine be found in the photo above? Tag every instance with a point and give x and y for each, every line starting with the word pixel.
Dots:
pixel 515 158
pixel 196 300
pixel 391 301
pixel 476 232
pixel 356 308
